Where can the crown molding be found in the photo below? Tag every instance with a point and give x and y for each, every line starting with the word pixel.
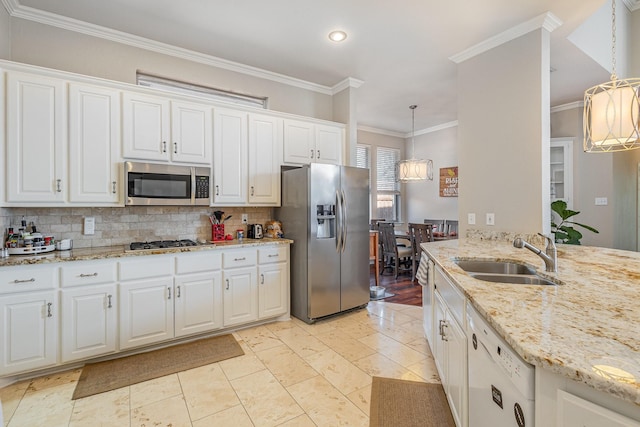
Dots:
pixel 17 10
pixel 632 5
pixel 346 83
pixel 381 131
pixel 547 20
pixel 569 106
pixel 434 129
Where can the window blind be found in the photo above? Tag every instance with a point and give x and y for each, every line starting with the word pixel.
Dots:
pixel 363 156
pixel 386 164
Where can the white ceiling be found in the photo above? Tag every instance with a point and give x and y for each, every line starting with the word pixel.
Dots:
pixel 399 49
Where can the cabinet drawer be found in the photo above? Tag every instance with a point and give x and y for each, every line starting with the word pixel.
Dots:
pixel 145 267
pixel 88 273
pixel 451 295
pixel 271 254
pixel 198 262
pixel 21 279
pixel 239 258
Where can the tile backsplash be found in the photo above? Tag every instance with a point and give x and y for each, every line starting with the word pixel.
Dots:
pixel 120 226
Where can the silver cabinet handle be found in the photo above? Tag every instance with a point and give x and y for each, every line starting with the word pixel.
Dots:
pixel 444 334
pixel 164 146
pixel 89 275
pixel 169 289
pixel 113 187
pixel 175 148
pixel 178 292
pixel 109 299
pixel 273 255
pixel 240 259
pixel 24 281
pixel 227 280
pixel 318 154
pixel 58 185
pixel 252 192
pixel 49 314
pixel 217 190
pixel 312 154
pixel 262 279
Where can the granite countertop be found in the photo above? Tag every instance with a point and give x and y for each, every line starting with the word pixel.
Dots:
pixel 121 251
pixel 587 328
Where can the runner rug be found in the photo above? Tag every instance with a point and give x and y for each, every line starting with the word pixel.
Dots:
pixel 112 374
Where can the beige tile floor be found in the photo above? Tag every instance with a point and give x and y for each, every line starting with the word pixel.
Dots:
pixel 292 374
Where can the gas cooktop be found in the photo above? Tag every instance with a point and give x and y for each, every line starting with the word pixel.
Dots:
pixel 161 244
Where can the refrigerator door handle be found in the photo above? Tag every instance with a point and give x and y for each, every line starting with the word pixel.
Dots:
pixel 343 220
pixel 338 222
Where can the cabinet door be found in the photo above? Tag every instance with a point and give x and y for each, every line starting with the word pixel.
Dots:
pixel 36 128
pixel 28 331
pixel 439 354
pixel 146 312
pixel 94 144
pixel 145 127
pixel 240 296
pixel 456 354
pixel 299 142
pixel 198 303
pixel 89 316
pixel 265 146
pixel 329 144
pixel 273 290
pixel 191 133
pixel 230 157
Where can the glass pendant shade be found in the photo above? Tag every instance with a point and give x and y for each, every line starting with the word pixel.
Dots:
pixel 612 116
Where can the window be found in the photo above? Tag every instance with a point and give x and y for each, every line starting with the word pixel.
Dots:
pixel 387 189
pixel 363 156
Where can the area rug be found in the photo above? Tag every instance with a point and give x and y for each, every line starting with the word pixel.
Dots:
pixel 408 403
pixel 112 374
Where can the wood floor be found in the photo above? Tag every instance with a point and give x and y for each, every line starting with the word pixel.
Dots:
pixel 406 291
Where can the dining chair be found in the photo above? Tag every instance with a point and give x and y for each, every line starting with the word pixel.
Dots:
pixel 451 228
pixel 419 233
pixel 438 225
pixel 396 256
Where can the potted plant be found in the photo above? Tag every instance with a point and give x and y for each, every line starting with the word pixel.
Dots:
pixel 564 232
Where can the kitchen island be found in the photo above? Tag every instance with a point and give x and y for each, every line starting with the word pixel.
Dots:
pixel 582 334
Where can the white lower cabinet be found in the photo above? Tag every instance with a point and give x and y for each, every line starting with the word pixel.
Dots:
pixel 29 319
pixel 273 286
pixel 240 286
pixel 450 346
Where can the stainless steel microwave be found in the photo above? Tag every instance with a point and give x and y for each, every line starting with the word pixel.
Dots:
pixel 169 185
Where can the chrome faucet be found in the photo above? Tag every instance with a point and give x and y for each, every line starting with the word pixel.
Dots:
pixel 550 255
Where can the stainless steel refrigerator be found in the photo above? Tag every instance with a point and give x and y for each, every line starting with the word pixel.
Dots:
pixel 325 210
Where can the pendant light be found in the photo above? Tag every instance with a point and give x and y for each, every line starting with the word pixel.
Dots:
pixel 412 169
pixel 612 110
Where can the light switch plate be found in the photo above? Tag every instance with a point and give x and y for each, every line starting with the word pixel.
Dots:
pixel 245 218
pixel 471 219
pixel 89 225
pixel 491 219
pixel 601 201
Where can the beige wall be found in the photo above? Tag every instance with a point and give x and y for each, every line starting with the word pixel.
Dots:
pixel 47 46
pixel 503 132
pixel 593 175
pixel 5 34
pixel 423 197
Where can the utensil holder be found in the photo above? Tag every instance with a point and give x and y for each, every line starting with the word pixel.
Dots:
pixel 217 232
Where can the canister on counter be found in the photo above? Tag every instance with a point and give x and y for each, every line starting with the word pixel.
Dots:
pixel 240 234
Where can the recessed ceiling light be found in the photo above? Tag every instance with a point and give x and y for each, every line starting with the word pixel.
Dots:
pixel 337 36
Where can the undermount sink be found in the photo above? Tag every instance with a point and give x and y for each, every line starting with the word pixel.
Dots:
pixel 494 267
pixel 502 272
pixel 518 279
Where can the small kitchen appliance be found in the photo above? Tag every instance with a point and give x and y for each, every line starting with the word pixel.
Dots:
pixel 255 231
pixel 150 184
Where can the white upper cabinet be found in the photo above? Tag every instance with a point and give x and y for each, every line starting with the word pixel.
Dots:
pixel 158 128
pixel 145 127
pixel 265 146
pixel 36 132
pixel 306 142
pixel 94 145
pixel 191 132
pixel 230 157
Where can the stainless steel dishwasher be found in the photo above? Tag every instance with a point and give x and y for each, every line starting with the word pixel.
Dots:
pixel 501 384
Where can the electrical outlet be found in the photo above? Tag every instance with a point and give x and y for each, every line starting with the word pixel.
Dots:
pixel 245 218
pixel 89 225
pixel 471 219
pixel 491 219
